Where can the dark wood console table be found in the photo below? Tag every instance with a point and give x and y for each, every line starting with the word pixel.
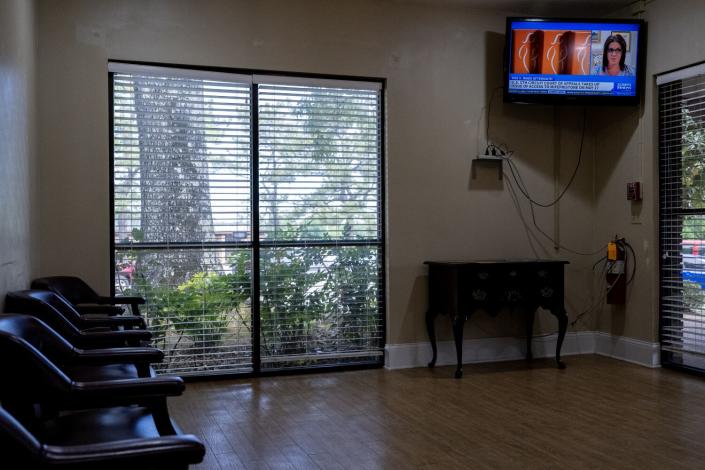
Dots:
pixel 458 288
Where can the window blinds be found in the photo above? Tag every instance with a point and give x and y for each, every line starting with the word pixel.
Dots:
pixel 682 216
pixel 182 159
pixel 228 188
pixel 182 212
pixel 320 224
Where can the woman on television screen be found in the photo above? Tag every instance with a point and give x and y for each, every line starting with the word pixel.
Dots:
pixel 613 58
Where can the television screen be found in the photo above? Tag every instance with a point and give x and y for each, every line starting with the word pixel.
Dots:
pixel 581 61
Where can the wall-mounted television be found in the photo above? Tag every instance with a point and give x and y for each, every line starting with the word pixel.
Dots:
pixel 581 61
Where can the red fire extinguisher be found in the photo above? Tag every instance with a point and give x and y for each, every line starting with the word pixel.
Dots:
pixel 616 272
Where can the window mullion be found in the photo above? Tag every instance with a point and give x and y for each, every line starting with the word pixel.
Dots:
pixel 254 165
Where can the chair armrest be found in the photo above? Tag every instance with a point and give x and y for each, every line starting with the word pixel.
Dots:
pixel 121 300
pixel 108 393
pixel 107 339
pixel 133 301
pixel 165 451
pixel 110 310
pixel 93 320
pixel 127 355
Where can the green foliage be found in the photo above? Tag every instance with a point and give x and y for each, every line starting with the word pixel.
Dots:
pixel 352 294
pixel 693 297
pixel 137 235
pixel 312 300
pixel 199 309
pixel 693 175
pixel 202 307
pixel 156 310
pixel 317 299
pixel 291 298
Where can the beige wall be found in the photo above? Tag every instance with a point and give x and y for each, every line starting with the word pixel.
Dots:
pixel 627 150
pixel 18 204
pixel 441 64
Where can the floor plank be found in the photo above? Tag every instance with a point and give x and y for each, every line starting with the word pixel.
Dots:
pixel 598 413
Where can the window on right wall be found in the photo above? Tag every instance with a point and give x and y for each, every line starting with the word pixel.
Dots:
pixel 681 96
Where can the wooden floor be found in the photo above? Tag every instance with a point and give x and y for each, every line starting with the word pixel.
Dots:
pixel 598 413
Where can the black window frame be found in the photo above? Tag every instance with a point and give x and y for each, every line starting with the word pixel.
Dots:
pixel 256 244
pixel 670 254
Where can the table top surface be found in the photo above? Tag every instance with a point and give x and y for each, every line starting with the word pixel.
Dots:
pixel 496 261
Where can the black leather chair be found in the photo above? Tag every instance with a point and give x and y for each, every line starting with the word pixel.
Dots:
pixel 53 419
pixel 21 449
pixel 31 376
pixel 82 321
pixel 79 364
pixel 86 333
pixel 81 295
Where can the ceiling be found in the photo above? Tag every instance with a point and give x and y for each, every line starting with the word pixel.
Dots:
pixel 589 8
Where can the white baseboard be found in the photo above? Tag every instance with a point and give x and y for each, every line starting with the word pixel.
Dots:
pixel 406 355
pixel 628 349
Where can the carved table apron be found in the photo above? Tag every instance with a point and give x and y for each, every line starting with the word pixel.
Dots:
pixel 458 288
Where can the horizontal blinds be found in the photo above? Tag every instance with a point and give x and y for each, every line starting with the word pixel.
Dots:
pixel 680 74
pixel 198 306
pixel 182 206
pixel 319 163
pixel 320 306
pixel 320 185
pixel 126 68
pixel 181 159
pixel 682 216
pixel 186 238
pixel 320 83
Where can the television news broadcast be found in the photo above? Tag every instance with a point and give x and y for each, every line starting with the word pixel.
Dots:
pixel 573 58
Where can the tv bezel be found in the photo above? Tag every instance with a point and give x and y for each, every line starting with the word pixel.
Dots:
pixel 540 98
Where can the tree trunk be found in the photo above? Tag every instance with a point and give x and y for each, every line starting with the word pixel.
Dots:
pixel 173 176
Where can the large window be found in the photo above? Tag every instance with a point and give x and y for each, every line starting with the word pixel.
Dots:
pixel 248 210
pixel 682 216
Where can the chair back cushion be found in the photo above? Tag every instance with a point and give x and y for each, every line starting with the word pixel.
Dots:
pixel 38 334
pixel 72 288
pixel 19 447
pixel 29 377
pixel 49 307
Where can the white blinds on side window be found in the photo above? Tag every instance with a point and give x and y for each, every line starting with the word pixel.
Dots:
pixel 681 97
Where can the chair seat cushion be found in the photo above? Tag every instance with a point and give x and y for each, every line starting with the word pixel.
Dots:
pixel 108 372
pixel 99 425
